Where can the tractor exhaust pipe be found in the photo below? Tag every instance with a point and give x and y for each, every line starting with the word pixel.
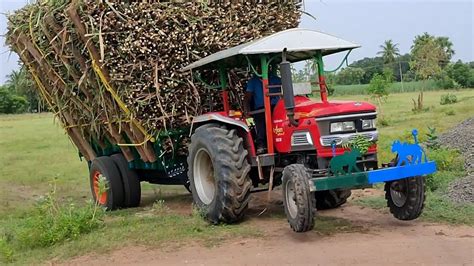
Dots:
pixel 287 88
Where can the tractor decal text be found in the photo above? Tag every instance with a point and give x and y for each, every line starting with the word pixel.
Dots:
pixel 278 131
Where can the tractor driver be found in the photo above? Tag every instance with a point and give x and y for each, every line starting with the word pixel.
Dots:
pixel 254 101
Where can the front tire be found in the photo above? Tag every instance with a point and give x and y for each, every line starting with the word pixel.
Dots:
pixel 218 173
pixel 104 168
pixel 299 202
pixel 406 197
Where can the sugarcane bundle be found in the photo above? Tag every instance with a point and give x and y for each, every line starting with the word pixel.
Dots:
pixel 110 71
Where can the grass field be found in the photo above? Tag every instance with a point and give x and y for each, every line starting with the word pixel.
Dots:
pixel 34 152
pixel 396 87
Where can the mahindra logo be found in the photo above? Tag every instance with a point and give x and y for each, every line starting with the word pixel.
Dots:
pixel 357 103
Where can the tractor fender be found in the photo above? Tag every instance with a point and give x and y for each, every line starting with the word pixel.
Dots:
pixel 223 119
pixel 217 117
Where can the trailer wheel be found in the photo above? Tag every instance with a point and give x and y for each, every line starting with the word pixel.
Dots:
pixel 331 199
pixel 218 173
pixel 131 182
pixel 299 203
pixel 113 197
pixel 406 197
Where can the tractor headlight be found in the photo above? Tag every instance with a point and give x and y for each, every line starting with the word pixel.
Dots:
pixel 342 126
pixel 368 124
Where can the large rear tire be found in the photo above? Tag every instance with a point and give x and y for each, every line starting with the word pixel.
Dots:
pixel 330 199
pixel 299 202
pixel 406 197
pixel 113 196
pixel 218 173
pixel 131 182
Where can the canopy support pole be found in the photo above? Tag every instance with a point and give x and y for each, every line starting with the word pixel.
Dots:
pixel 225 92
pixel 267 104
pixel 322 80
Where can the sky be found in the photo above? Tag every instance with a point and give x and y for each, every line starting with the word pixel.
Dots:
pixel 366 22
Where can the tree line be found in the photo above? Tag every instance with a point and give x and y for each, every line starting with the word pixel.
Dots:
pixel 429 58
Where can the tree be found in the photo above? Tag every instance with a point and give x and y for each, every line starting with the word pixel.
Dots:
pixel 304 75
pixel 11 103
pixel 389 51
pixel 426 57
pixel 460 72
pixel 402 67
pixel 447 47
pixel 378 89
pixel 350 75
pixel 371 66
pixel 21 84
pixel 443 43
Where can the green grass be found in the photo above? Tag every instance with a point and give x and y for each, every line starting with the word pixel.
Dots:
pixel 396 87
pixel 34 151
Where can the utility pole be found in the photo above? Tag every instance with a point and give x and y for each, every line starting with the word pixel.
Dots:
pixel 401 74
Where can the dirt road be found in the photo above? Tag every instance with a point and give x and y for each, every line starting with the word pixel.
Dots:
pixel 374 238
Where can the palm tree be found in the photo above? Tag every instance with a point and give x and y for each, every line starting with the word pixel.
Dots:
pixel 389 51
pixel 20 82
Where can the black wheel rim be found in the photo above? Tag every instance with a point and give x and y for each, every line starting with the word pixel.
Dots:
pixel 291 199
pixel 398 192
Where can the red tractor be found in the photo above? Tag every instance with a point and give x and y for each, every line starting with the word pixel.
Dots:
pixel 303 136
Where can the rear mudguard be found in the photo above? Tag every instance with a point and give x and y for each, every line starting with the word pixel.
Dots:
pixel 222 118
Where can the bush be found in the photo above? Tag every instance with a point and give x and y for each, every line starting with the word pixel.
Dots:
pixel 440 180
pixel 49 223
pixel 450 112
pixel 383 122
pixel 432 141
pixel 445 82
pixel 450 163
pixel 11 103
pixel 461 73
pixel 6 251
pixel 330 90
pixel 378 86
pixel 448 99
pixel 447 159
pixel 47 227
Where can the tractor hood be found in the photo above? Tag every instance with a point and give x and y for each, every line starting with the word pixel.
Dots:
pixel 304 107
